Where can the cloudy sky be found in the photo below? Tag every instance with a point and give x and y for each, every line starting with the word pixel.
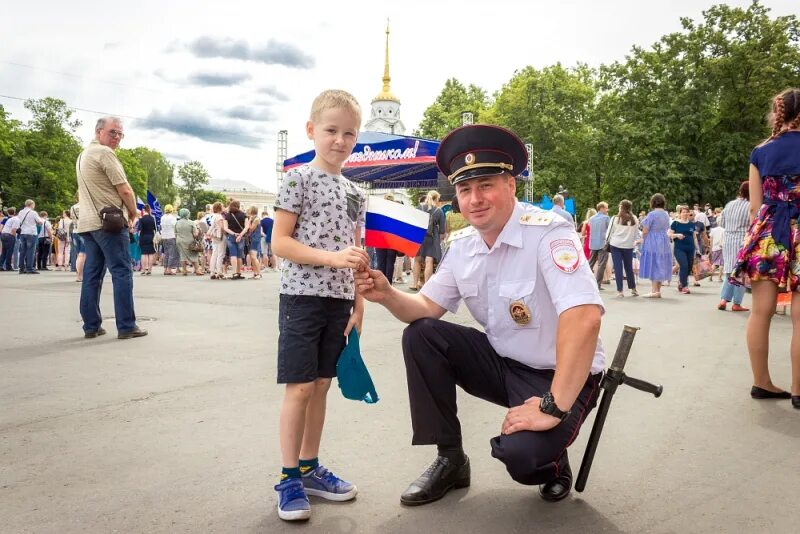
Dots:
pixel 215 81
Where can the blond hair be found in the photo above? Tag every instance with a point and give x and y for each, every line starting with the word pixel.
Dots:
pixel 432 198
pixel 335 99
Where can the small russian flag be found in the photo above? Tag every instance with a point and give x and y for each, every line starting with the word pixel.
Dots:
pixel 395 226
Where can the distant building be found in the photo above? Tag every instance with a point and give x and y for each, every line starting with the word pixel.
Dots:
pixel 246 193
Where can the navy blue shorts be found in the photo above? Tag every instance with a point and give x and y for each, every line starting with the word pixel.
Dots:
pixel 311 337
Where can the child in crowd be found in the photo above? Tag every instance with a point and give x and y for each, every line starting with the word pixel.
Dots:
pixel 319 218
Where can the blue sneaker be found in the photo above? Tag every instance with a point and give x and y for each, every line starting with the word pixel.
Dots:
pixel 292 501
pixel 322 483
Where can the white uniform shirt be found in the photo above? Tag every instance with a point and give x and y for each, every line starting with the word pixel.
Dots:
pixel 537 260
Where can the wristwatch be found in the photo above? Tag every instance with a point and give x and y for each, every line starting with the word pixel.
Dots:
pixel 548 406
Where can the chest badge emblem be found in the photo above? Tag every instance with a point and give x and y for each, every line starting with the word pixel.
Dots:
pixel 520 313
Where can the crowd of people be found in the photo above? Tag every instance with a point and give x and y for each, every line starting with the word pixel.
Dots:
pixel 692 242
pixel 30 242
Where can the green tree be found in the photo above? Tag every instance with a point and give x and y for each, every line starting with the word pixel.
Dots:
pixel 159 174
pixel 552 109
pixel 137 176
pixel 10 139
pixel 42 158
pixel 206 196
pixel 193 177
pixel 692 106
pixel 444 114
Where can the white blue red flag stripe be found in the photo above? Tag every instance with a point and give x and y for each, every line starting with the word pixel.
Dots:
pixel 395 226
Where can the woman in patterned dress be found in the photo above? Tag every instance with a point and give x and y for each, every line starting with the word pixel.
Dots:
pixel 770 253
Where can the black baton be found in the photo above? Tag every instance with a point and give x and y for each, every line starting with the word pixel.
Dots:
pixel 611 379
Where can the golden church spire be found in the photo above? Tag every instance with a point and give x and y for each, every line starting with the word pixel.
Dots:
pixel 386 94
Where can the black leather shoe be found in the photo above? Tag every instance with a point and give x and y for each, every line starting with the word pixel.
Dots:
pixel 436 481
pixel 136 332
pixel 796 401
pixel 761 393
pixel 99 332
pixel 559 487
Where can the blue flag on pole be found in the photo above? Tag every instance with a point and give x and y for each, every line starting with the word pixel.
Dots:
pixel 139 203
pixel 155 207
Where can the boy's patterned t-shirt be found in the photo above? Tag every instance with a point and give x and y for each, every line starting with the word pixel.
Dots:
pixel 328 208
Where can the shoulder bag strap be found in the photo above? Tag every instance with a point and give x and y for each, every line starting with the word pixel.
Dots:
pixel 610 228
pixel 80 175
pixel 237 221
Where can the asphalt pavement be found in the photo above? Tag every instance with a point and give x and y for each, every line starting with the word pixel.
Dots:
pixel 177 431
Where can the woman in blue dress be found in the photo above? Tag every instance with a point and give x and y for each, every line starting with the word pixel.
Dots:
pixel 656 261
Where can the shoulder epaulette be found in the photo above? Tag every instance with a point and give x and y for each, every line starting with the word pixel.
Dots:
pixel 543 218
pixel 459 234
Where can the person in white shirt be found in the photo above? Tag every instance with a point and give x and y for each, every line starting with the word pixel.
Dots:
pixel 64 241
pixel 169 240
pixel 8 240
pixel 522 275
pixel 28 219
pixel 700 216
pixel 717 235
pixel 623 232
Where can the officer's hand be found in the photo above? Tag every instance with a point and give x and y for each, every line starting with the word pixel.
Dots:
pixel 372 285
pixel 528 417
pixel 350 258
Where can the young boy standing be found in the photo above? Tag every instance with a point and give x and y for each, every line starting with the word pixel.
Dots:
pixel 319 217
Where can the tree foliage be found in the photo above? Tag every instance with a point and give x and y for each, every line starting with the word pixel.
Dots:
pixel 679 117
pixel 137 176
pixel 205 197
pixel 37 161
pixel 193 177
pixel 445 113
pixel 159 174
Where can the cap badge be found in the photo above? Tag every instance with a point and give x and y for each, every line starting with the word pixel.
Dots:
pixel 520 312
pixel 469 159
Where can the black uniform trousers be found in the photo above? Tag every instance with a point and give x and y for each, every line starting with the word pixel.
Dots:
pixel 440 355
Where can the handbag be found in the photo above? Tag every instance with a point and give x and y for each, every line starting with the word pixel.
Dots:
pixel 112 218
pixel 61 234
pixel 196 245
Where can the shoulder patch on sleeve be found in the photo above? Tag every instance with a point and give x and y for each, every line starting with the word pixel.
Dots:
pixel 565 254
pixel 537 219
pixel 459 234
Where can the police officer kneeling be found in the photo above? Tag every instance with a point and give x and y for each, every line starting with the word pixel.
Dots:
pixel 522 275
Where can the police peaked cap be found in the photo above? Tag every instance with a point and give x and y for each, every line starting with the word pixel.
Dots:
pixel 478 150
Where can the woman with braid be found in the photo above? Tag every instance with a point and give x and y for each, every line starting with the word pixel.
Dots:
pixel 770 255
